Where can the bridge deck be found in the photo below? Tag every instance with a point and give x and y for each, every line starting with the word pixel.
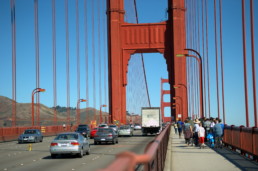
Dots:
pixel 183 157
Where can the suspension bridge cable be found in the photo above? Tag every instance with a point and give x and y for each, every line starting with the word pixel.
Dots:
pixel 105 61
pixel 78 56
pixel 203 63
pixel 144 73
pixel 99 54
pixel 86 56
pixel 207 54
pixel 93 61
pixel 67 62
pixel 221 60
pixel 13 26
pixel 37 53
pixel 54 56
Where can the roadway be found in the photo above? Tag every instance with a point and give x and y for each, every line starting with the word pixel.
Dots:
pixel 16 157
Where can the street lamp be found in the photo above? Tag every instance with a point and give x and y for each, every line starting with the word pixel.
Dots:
pixel 78 110
pixel 100 113
pixel 36 90
pixel 181 101
pixel 177 105
pixel 200 69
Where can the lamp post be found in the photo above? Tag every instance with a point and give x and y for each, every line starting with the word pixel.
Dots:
pixel 200 73
pixel 36 90
pixel 177 104
pixel 181 101
pixel 179 86
pixel 100 113
pixel 78 110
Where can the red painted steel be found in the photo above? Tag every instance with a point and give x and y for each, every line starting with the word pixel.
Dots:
pixel 247 139
pixel 126 39
pixel 153 157
pixel 255 142
pixel 162 103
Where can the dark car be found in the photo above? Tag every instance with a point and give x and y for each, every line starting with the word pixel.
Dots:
pixel 105 135
pixel 84 131
pixel 85 126
pixel 31 135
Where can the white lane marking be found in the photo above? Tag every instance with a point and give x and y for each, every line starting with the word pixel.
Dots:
pixel 21 164
pixel 34 160
pixel 95 158
pixel 5 169
pixel 73 169
pixel 83 163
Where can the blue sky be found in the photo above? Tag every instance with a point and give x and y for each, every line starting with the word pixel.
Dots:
pixel 154 12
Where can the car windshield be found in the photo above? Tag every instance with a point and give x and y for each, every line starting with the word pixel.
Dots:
pixel 30 132
pixel 105 130
pixel 102 125
pixel 113 126
pixel 124 127
pixel 67 137
pixel 81 129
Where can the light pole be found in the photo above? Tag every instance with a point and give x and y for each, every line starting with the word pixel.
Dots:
pixel 78 110
pixel 100 113
pixel 177 104
pixel 200 80
pixel 186 92
pixel 181 102
pixel 36 90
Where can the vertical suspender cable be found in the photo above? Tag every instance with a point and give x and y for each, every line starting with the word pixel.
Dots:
pixel 67 62
pixel 78 57
pixel 99 54
pixel 145 79
pixel 37 53
pixel 207 54
pixel 203 64
pixel 86 57
pixel 13 24
pixel 93 61
pixel 217 60
pixel 253 62
pixel 54 56
pixel 244 62
pixel 105 61
pixel 221 60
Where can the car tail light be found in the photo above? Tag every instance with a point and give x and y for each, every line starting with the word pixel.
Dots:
pixel 110 135
pixel 53 144
pixel 75 143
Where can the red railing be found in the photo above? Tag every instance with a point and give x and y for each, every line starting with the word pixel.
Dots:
pixel 153 159
pixel 242 138
pixel 12 133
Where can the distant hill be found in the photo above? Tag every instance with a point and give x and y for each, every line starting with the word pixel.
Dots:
pixel 23 113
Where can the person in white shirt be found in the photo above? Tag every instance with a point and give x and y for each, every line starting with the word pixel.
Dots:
pixel 195 131
pixel 201 135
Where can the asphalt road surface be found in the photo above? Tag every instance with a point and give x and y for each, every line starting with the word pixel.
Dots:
pixel 16 157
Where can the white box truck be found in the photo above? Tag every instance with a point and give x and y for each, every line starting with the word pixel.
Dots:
pixel 151 120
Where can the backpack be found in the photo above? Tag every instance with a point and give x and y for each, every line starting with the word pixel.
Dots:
pixel 187 126
pixel 179 125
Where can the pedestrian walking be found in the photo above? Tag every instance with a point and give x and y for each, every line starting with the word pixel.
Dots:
pixel 195 132
pixel 179 127
pixel 175 127
pixel 201 135
pixel 187 128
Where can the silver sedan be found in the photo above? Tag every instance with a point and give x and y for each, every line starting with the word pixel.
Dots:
pixel 125 130
pixel 70 143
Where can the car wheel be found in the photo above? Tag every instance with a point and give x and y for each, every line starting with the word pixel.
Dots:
pixel 53 156
pixel 95 142
pixel 88 151
pixel 41 139
pixel 117 141
pixel 81 153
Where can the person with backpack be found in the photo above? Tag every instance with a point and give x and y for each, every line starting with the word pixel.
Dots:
pixel 187 128
pixel 179 127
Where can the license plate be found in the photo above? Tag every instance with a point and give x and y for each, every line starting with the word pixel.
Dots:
pixel 63 145
pixel 102 139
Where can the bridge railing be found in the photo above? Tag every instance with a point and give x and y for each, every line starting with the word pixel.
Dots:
pixel 153 158
pixel 242 138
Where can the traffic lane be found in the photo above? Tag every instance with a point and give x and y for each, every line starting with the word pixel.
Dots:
pixel 14 154
pixel 101 156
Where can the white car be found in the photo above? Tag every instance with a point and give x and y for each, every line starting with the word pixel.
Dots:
pixel 137 127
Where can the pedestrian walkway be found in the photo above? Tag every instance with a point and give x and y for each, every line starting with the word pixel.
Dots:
pixel 181 157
